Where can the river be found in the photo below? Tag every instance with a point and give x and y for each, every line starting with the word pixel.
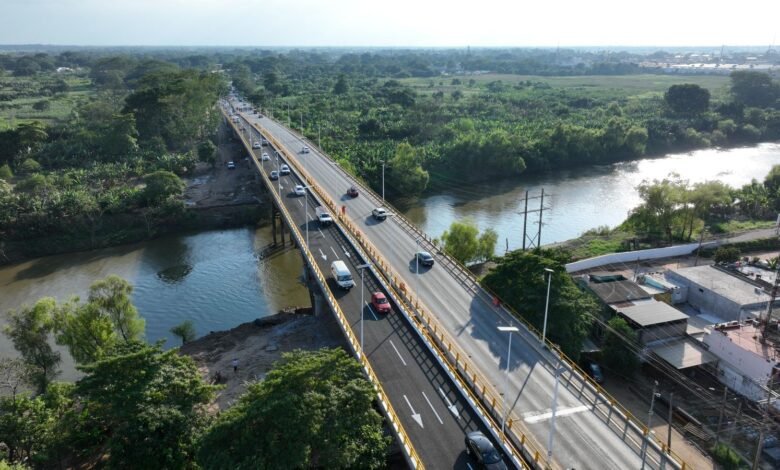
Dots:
pixel 219 279
pixel 583 198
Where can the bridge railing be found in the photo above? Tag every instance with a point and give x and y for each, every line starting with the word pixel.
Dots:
pixel 487 296
pixel 480 393
pixel 411 454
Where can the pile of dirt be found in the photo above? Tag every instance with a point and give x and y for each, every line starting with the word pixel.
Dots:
pixel 256 346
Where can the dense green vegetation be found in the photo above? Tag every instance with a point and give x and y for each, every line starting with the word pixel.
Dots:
pixel 466 127
pixel 519 279
pixel 138 406
pixel 463 242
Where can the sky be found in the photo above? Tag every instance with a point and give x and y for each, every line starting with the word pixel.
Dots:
pixel 390 23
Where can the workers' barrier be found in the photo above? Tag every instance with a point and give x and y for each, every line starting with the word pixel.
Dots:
pixel 411 454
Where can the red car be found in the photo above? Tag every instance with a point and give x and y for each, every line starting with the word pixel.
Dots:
pixel 380 303
pixel 352 192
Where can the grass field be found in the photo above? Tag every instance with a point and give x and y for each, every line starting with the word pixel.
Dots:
pixel 20 110
pixel 604 86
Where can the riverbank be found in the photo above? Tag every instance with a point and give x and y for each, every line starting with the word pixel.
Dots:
pixel 257 345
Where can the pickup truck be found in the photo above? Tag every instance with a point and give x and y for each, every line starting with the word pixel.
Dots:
pixel 323 216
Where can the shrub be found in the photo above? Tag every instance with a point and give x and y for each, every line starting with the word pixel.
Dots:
pixel 726 457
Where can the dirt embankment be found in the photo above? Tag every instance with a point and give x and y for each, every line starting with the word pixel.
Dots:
pixel 256 346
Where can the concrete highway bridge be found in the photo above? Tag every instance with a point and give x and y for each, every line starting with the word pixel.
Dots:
pixel 448 360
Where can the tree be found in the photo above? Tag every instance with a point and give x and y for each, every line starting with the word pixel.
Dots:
pixel 184 330
pixel 42 105
pixel 112 297
pixel 487 244
pixel 687 99
pixel 148 404
pixel 405 174
pixel 341 86
pixel 5 172
pixel 207 152
pixel 519 280
pixel 727 254
pixel 162 185
pixel 314 410
pixel 29 330
pixel 120 138
pixel 24 426
pixel 29 166
pixel 754 89
pixel 31 136
pixel 461 241
pixel 619 350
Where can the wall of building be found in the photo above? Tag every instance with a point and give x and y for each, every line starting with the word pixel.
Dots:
pixel 634 256
pixel 738 368
pixel 707 300
pixel 660 332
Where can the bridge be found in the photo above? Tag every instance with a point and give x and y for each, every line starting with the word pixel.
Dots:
pixel 448 360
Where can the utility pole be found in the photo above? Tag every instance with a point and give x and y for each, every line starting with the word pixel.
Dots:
pixel 525 217
pixel 701 239
pixel 383 181
pixel 541 212
pixel 669 431
pixel 720 417
pixel 533 241
pixel 764 422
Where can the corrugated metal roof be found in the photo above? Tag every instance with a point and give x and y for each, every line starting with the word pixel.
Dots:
pixel 652 313
pixel 618 291
pixel 684 353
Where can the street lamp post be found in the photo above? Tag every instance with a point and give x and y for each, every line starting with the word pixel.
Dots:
pixel 362 268
pixel 646 444
pixel 510 330
pixel 383 181
pixel 546 306
pixel 306 212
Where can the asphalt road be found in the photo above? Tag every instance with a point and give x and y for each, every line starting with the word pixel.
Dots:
pixel 432 411
pixel 582 439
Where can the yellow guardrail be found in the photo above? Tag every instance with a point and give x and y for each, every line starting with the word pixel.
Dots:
pixel 403 438
pixel 449 349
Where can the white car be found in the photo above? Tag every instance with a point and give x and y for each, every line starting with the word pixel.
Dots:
pixel 256 145
pixel 274 175
pixel 299 191
pixel 305 149
pixel 284 170
pixel 266 157
pixel 231 165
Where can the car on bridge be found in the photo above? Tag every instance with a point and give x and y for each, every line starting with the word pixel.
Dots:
pixel 284 170
pixel 424 258
pixel 379 303
pixel 300 190
pixel 264 141
pixel 305 149
pixel 231 165
pixel 352 191
pixel 379 213
pixel 256 145
pixel 323 216
pixel 274 175
pixel 266 157
pixel 485 453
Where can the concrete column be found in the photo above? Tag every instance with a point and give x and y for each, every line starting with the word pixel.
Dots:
pixel 273 222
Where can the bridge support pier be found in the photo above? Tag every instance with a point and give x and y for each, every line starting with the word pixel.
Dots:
pixel 273 222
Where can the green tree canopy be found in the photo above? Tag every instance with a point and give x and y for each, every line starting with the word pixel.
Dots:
pixel 619 350
pixel 519 279
pixel 687 99
pixel 754 89
pixel 149 404
pixel 29 329
pixel 405 174
pixel 184 330
pixel 162 185
pixel 314 409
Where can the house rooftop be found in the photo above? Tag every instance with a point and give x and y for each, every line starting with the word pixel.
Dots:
pixel 747 337
pixel 724 284
pixel 652 313
pixel 618 291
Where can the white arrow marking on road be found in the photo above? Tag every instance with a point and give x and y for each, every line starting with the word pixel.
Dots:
pixel 432 408
pixel 334 253
pixel 558 413
pixel 345 251
pixel 415 416
pixel 324 256
pixel 396 351
pixel 450 406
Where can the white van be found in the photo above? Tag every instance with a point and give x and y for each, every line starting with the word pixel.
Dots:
pixel 323 216
pixel 341 275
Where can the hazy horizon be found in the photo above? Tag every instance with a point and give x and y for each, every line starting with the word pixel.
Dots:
pixel 403 24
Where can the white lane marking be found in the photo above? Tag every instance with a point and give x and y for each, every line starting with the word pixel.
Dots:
pixel 432 408
pixel 558 413
pixel 334 253
pixel 415 416
pixel 450 406
pixel 396 351
pixel 372 312
pixel 324 256
pixel 321 234
pixel 469 466
pixel 345 251
pixel 299 202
